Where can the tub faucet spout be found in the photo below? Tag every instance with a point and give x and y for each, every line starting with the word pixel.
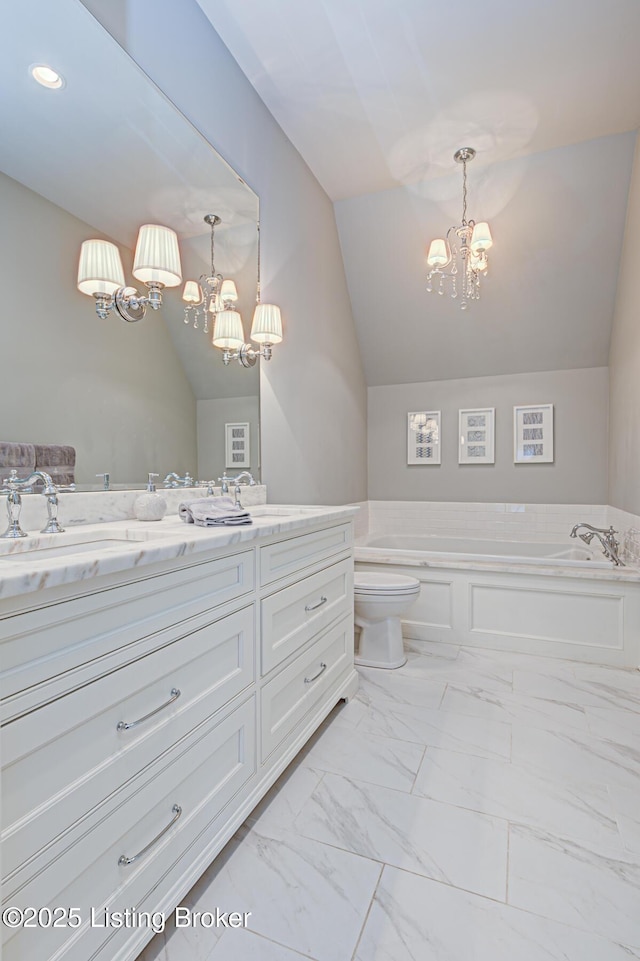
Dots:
pixel 607 538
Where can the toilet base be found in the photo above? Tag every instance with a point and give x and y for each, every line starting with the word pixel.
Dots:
pixel 362 662
pixel 380 644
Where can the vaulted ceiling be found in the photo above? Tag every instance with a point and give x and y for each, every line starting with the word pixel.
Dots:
pixel 378 94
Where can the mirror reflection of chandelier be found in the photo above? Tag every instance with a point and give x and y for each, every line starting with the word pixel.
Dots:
pixel 462 265
pixel 216 296
pixel 212 293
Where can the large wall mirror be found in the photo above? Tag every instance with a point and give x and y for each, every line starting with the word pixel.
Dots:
pixel 99 157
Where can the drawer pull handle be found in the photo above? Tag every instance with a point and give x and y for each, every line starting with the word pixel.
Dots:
pixel 124 861
pixel 310 680
pixel 127 725
pixel 314 607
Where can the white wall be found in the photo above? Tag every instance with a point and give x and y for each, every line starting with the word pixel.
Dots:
pixel 578 475
pixel 313 394
pixel 116 392
pixel 624 365
pixel 212 417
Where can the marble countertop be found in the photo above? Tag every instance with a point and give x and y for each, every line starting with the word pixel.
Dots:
pixel 380 555
pixel 91 550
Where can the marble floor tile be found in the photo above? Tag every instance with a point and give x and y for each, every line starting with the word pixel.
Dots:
pixel 244 945
pixel 440 728
pixel 378 760
pixel 574 690
pixel 347 712
pixel 626 806
pixel 432 648
pixel 622 727
pixel 620 678
pixel 376 685
pixel 513 707
pixel 155 949
pixel 449 844
pixel 579 809
pixel 575 755
pixel 279 807
pixel 309 897
pixel 416 919
pixel 492 677
pixel 477 658
pixel 571 882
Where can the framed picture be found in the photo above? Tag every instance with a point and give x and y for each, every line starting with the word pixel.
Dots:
pixel 423 437
pixel 533 434
pixel 236 445
pixel 476 436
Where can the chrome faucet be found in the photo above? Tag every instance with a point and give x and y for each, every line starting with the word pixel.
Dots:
pixel 225 480
pixel 607 538
pixel 14 503
pixel 174 480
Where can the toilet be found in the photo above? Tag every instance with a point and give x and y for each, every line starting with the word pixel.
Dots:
pixel 380 601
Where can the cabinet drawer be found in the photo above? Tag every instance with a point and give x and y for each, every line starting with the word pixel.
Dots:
pixel 59 646
pixel 300 685
pixel 287 557
pixel 201 776
pixel 63 759
pixel 291 617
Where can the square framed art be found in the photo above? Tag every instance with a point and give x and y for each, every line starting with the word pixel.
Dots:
pixel 237 449
pixel 423 437
pixel 476 436
pixel 533 434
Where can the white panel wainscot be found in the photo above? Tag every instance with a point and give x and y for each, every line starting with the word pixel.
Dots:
pixel 135 681
pixel 576 613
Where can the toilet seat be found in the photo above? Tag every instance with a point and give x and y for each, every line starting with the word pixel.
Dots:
pixel 369 583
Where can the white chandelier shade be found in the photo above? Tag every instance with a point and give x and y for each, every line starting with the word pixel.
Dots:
pixel 100 268
pixel 267 324
pixel 157 256
pixel 228 333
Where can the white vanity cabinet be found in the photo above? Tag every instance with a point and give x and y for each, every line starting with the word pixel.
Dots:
pixel 144 715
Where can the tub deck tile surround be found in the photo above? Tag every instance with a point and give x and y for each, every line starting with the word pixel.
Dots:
pixel 374 847
pixel 537 522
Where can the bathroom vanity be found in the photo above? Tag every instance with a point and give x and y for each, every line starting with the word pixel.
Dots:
pixel 156 680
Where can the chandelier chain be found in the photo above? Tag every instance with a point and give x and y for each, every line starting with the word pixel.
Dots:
pixel 213 271
pixel 258 283
pixel 464 193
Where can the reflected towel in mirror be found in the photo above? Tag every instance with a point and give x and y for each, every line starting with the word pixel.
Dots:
pixel 213 512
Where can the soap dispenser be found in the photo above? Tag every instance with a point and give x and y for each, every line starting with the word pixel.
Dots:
pixel 150 506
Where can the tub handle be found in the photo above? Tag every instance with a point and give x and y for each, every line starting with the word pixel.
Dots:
pixel 124 861
pixel 314 607
pixel 127 725
pixel 310 680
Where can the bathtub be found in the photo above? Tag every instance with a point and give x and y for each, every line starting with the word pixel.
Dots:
pixel 508 552
pixel 559 599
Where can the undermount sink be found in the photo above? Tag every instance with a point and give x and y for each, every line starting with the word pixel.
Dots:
pixel 23 552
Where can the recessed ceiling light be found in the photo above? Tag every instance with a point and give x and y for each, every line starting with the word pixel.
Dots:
pixel 46 76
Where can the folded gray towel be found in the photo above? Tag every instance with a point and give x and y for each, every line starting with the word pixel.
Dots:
pixel 58 461
pixel 213 512
pixel 22 457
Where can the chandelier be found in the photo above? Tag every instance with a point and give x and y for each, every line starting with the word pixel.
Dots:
pixel 212 293
pixel 461 257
